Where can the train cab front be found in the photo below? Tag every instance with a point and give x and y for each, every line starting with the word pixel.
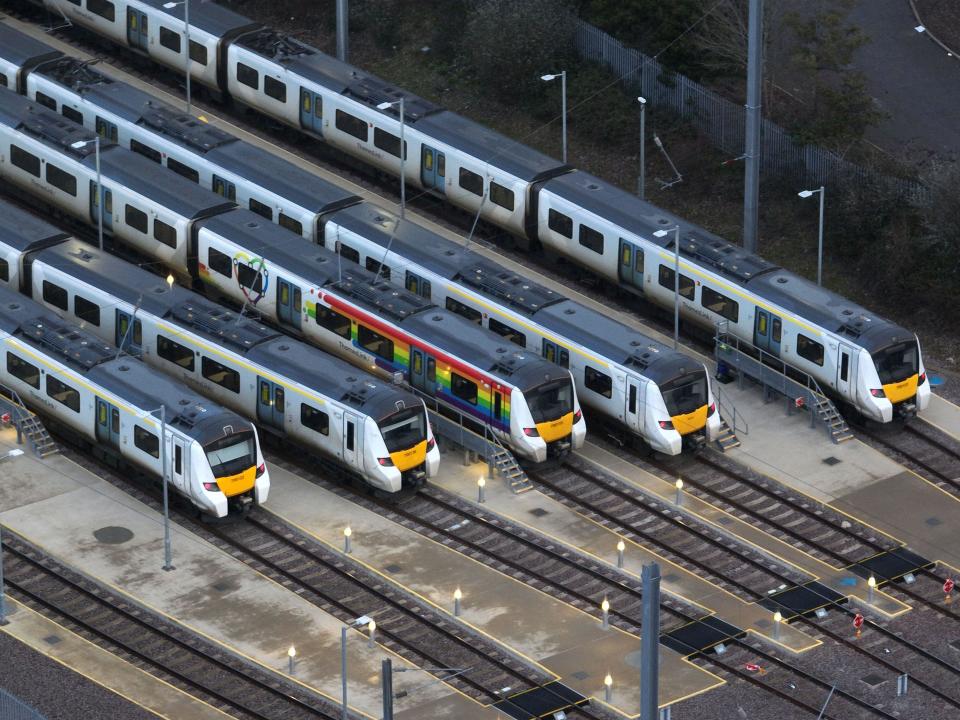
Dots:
pixel 234 476
pixel 693 418
pixel 551 421
pixel 412 452
pixel 900 388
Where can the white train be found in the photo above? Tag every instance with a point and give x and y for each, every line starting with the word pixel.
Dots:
pixel 857 357
pixel 641 388
pixel 79 386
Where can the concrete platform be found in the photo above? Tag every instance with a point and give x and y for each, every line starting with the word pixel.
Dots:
pixel 97 665
pixel 852 477
pixel 58 505
pixel 562 640
pixel 943 414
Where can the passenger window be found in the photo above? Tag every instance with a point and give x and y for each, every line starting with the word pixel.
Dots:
pixel 170 39
pixel 352 125
pixel 290 224
pixel 249 278
pixel 61 180
pixel 87 311
pixel 374 266
pixel 248 76
pixel 388 143
pixel 598 382
pixel 777 328
pixel 175 353
pixel 63 393
pixel 178 460
pixel 275 89
pixel 46 101
pixel 350 428
pixel 632 400
pixel 719 304
pixel 591 239
pixel 463 388
pixel 103 8
pixel 332 320
pixel 25 161
pixel 762 325
pixel 809 349
pixel 260 209
pixel 471 182
pixel 314 419
pixel 499 195
pixel 374 342
pixel 106 130
pixel 4 270
pixel 135 218
pixel 185 170
pixel 220 262
pixel 198 52
pixel 560 223
pixel 687 287
pixel 220 374
pixel 145 150
pixel 146 440
pixel 348 252
pixel 844 366
pixel 468 312
pixel 54 295
pixel 431 370
pixel 22 370
pixel 514 336
pixel 166 234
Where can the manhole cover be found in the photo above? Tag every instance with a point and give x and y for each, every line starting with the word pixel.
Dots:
pixel 580 675
pixel 672 577
pixel 724 520
pixel 872 679
pixel 832 460
pixel 539 512
pixel 393 569
pixel 113 535
pixel 52 639
pixel 933 521
pixel 222 586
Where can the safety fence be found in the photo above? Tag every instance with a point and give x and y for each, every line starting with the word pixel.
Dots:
pixel 13 709
pixel 724 122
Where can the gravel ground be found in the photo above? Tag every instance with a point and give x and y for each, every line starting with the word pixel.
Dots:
pixel 942 17
pixel 57 692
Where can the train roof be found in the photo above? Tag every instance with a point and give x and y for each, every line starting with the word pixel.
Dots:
pixel 19 48
pixel 210 17
pixel 50 128
pixel 326 70
pixel 23 231
pixel 489 146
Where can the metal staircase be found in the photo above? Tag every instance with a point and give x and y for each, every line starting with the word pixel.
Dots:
pixel 28 424
pixel 727 439
pixel 836 425
pixel 502 461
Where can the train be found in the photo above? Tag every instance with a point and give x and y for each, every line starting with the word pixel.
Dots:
pixel 319 404
pixel 639 387
pixel 210 455
pixel 519 398
pixel 865 362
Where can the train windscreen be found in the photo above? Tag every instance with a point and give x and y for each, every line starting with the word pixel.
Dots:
pixel 404 429
pixel 550 401
pixel 232 454
pixel 686 393
pixel 897 362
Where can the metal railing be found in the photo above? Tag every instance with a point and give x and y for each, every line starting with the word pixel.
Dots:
pixel 728 411
pixel 11 403
pixel 13 709
pixel 724 121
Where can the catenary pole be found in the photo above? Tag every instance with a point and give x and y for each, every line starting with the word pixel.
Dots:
pixel 342 29
pixel 752 150
pixel 650 642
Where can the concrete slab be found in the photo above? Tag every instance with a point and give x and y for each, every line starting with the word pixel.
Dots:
pixel 562 640
pixel 254 616
pixel 943 414
pixel 102 667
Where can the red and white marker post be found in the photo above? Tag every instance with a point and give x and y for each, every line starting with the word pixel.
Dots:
pixel 858 622
pixel 755 668
pixel 948 586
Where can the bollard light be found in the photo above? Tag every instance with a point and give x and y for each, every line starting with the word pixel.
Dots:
pixel 481 484
pixel 608 688
pixel 292 657
pixel 372 638
pixel 347 534
pixel 871 585
pixel 170 280
pixel 777 619
pixel 457 597
pixel 605 607
pixel 679 485
pixel 621 546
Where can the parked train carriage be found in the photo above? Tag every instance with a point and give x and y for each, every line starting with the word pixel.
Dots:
pixel 528 402
pixel 867 362
pixel 19 53
pixel 625 377
pixel 147 207
pixel 22 233
pixel 376 430
pixel 212 456
pixel 150 28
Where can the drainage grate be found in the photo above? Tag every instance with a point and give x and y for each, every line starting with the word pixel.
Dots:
pixel 724 520
pixel 580 675
pixel 832 461
pixel 872 679
pixel 539 512
pixel 113 535
pixel 933 521
pixel 53 639
pixel 672 577
pixel 222 586
pixel 393 569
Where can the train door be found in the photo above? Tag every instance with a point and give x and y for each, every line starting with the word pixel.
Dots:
pixel 137 29
pixel 129 339
pixel 423 371
pixel 845 369
pixel 311 111
pixel 767 332
pixel 433 168
pixel 631 264
pixel 107 197
pixel 418 285
pixel 633 414
pixel 351 440
pixel 176 459
pixel 108 424
pixel 288 303
pixel 271 403
pixel 557 354
pixel 225 188
pixel 106 129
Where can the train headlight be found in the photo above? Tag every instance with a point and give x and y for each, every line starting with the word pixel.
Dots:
pixel 712 409
pixel 878 393
pixel 431 444
pixel 211 487
pixel 261 469
pixel 666 424
pixel 922 379
pixel 531 432
pixel 385 462
pixel 577 417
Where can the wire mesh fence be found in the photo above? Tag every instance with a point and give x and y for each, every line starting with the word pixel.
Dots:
pixel 724 122
pixel 12 709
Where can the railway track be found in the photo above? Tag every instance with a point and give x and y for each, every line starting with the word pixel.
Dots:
pixel 153 643
pixel 923 448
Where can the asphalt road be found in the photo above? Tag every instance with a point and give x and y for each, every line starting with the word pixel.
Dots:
pixel 913 80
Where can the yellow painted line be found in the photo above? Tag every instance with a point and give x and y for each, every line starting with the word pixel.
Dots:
pixel 24 608
pixel 939 427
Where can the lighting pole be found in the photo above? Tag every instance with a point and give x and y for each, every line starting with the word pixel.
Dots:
pixel 100 194
pixel 563 90
pixel 403 155
pixel 643 141
pixel 188 60
pixel 3 604
pixel 167 551
pixel 806 194
pixel 676 280
pixel 344 709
